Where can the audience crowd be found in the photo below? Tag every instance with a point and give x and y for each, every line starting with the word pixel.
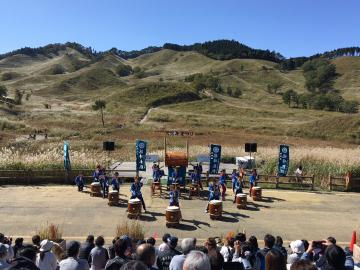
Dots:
pixel 238 252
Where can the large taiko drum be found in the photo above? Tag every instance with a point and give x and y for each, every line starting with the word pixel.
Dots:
pixel 113 198
pixel 134 208
pixel 215 209
pixel 95 189
pixel 176 159
pixel 241 200
pixel 256 193
pixel 173 215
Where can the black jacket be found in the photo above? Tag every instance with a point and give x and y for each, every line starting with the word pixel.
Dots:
pixel 164 258
pixel 23 263
pixel 85 250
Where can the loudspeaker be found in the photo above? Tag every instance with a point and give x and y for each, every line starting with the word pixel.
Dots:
pixel 108 146
pixel 251 147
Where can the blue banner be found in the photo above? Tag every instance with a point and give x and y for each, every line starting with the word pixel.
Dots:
pixel 67 164
pixel 284 160
pixel 215 156
pixel 140 155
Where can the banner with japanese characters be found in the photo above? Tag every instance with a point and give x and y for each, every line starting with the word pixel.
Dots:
pixel 140 155
pixel 284 159
pixel 215 156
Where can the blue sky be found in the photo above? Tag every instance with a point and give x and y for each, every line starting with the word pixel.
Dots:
pixel 291 27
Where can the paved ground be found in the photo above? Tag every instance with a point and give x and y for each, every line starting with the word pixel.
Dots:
pixel 290 214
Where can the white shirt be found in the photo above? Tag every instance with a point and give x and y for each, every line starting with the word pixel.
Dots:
pixel 74 264
pixel 163 247
pixel 224 251
pixel 48 263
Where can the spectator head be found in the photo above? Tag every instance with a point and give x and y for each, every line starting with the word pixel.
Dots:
pixel 146 254
pixel 2 238
pixel 100 241
pixel 297 247
pixel 254 242
pixel 172 242
pixel 229 241
pixel 187 245
pixel 120 247
pixel 28 252
pixel 72 248
pixel 240 237
pixel 278 241
pixel 114 240
pixel 151 241
pixel 269 241
pixel 330 240
pixel 46 245
pixel 127 239
pixel 216 259
pixel 90 239
pixel 140 242
pixel 303 265
pixel 165 237
pixel 134 265
pixel 274 260
pixel 210 243
pixel 3 251
pixel 335 257
pixel 300 167
pixel 196 260
pixel 306 243
pixel 36 240
pixel 19 241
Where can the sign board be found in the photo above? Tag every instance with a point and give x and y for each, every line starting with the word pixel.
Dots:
pixel 284 159
pixel 215 156
pixel 152 158
pixel 203 158
pixel 140 155
pixel 180 133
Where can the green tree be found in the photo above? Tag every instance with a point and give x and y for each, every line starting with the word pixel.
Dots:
pixel 123 70
pixel 3 91
pixel 100 105
pixel 287 96
pixel 275 86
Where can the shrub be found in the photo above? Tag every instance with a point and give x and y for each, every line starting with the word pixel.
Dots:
pixel 50 231
pixel 133 229
pixel 124 70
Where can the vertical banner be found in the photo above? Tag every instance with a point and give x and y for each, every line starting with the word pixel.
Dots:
pixel 284 158
pixel 67 164
pixel 215 156
pixel 140 155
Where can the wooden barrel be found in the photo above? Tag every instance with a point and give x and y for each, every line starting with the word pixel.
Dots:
pixel 95 189
pixel 256 193
pixel 241 200
pixel 215 209
pixel 134 208
pixel 113 198
pixel 176 159
pixel 173 215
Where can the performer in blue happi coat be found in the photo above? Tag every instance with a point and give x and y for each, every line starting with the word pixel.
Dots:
pixel 234 178
pixel 195 178
pixel 80 181
pixel 237 188
pixel 222 180
pixel 174 197
pixel 115 182
pixel 136 191
pixel 97 173
pixel 176 176
pixel 214 189
pixel 104 182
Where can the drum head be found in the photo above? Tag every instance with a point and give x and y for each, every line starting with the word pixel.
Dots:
pixel 136 200
pixel 113 192
pixel 257 188
pixel 173 208
pixel 95 184
pixel 215 202
pixel 241 195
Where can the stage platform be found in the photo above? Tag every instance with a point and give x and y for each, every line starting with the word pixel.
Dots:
pixel 290 214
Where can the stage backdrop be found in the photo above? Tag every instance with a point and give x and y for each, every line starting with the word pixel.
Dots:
pixel 140 155
pixel 284 159
pixel 215 156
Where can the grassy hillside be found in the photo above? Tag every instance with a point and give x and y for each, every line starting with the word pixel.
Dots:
pixel 58 91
